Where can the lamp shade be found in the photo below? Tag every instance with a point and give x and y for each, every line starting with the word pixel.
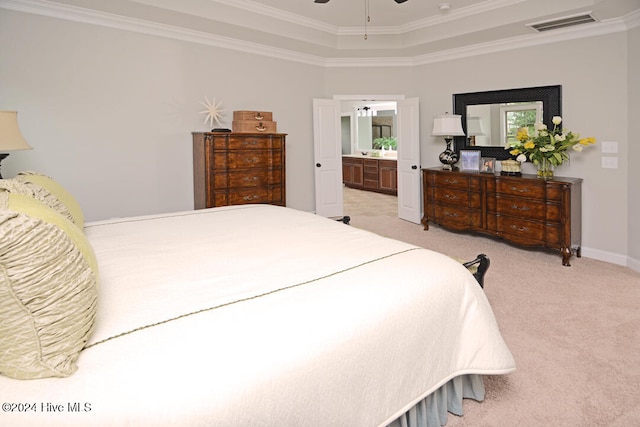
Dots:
pixel 474 126
pixel 11 138
pixel 447 125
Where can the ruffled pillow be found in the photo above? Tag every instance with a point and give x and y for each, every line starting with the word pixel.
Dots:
pixel 48 289
pixel 58 191
pixel 36 192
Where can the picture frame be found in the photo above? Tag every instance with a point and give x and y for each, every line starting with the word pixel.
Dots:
pixel 488 165
pixel 470 160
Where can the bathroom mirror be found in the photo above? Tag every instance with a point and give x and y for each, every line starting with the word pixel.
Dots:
pixel 486 116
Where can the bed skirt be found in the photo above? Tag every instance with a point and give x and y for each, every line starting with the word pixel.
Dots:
pixel 432 410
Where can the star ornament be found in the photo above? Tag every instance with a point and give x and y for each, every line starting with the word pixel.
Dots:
pixel 213 111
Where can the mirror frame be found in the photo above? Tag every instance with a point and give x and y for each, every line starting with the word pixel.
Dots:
pixel 551 97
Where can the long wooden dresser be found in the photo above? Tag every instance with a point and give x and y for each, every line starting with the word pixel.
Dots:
pixel 238 168
pixel 524 210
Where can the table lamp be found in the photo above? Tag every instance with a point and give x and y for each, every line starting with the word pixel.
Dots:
pixel 10 137
pixel 448 125
pixel 474 128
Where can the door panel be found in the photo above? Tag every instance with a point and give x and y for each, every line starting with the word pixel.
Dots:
pixel 409 194
pixel 327 148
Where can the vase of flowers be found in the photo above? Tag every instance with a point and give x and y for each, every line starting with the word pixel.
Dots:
pixel 545 169
pixel 546 148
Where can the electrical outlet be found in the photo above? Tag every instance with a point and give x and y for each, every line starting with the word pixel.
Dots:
pixel 610 162
pixel 610 147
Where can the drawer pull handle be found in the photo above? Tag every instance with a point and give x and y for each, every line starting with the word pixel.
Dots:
pixel 258 116
pixel 454 215
pixel 450 197
pixel 515 227
pixel 251 160
pixel 249 198
pixel 253 142
pixel 518 208
pixel 260 128
pixel 249 179
pixel 451 181
pixel 520 190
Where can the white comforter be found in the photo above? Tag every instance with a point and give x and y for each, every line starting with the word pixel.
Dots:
pixel 259 315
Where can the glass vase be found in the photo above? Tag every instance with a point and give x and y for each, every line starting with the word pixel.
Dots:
pixel 545 169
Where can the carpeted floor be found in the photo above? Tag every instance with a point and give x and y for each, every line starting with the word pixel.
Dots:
pixel 574 331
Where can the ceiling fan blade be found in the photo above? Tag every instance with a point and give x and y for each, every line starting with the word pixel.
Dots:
pixel 398 1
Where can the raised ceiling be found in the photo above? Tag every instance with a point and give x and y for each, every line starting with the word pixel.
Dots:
pixel 332 34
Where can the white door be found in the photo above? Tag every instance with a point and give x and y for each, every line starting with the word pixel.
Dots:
pixel 327 149
pixel 409 173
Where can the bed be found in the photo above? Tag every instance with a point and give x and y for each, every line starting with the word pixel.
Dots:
pixel 247 315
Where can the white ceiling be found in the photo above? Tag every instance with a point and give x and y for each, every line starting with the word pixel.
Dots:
pixel 412 32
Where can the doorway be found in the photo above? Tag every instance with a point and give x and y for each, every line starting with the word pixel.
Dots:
pixel 328 155
pixel 368 131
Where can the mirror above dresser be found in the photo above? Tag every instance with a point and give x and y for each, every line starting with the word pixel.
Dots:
pixel 489 117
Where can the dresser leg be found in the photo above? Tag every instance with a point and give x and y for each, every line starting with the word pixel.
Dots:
pixel 566 255
pixel 425 222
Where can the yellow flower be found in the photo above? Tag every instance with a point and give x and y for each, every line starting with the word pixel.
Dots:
pixel 587 141
pixel 523 134
pixel 546 145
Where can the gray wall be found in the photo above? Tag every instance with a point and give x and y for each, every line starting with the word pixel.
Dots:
pixel 634 148
pixel 110 112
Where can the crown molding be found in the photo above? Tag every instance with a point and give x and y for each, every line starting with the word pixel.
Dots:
pixel 271 12
pixel 455 14
pixel 632 20
pixel 280 14
pixel 571 33
pixel 87 16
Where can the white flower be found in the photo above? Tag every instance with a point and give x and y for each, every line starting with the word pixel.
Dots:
pixel 560 137
pixel 556 120
pixel 577 147
pixel 521 158
pixel 540 126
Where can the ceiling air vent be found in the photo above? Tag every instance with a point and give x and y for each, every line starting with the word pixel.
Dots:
pixel 567 21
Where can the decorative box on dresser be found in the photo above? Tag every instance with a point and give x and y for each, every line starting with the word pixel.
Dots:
pixel 524 210
pixel 238 168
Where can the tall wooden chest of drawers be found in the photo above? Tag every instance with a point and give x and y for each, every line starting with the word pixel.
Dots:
pixel 524 210
pixel 234 169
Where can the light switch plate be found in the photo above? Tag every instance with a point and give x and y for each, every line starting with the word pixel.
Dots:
pixel 610 147
pixel 610 162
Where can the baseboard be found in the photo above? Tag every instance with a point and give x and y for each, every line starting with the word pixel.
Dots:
pixel 633 264
pixel 605 256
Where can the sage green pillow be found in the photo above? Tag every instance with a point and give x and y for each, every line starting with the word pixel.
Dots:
pixel 48 290
pixel 37 192
pixel 53 187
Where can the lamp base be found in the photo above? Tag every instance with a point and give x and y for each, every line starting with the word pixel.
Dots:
pixel 2 157
pixel 448 157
